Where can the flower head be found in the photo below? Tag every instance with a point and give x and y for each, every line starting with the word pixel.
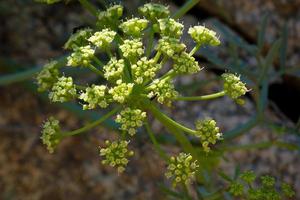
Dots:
pixel 236 189
pixel 208 132
pixel 134 26
pixel 170 46
pixel 181 169
pixel 102 39
pixel 204 36
pixel 113 70
pixel 116 154
pixel 153 11
pixel 233 86
pixel 169 27
pixel 94 96
pixel 78 39
pixel 248 176
pixel 121 92
pixel 186 64
pixel 47 76
pixel 110 17
pixel 131 119
pixel 81 56
pixel 132 49
pixel 51 134
pixel 144 70
pixel 63 90
pixel 163 90
pixel 287 190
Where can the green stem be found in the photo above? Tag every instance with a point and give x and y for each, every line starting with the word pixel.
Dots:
pixel 157 56
pixel 90 7
pixel 155 142
pixel 92 124
pixel 98 61
pixel 170 121
pixel 185 8
pixel 94 69
pixel 195 49
pixel 204 97
pixel 150 44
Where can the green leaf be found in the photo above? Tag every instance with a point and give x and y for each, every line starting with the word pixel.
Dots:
pixel 262 32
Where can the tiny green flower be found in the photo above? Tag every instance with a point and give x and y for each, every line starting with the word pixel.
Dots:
pixel 113 70
pixel 287 190
pixel 236 189
pixel 134 26
pixel 51 134
pixel 208 132
pixel 186 64
pixel 170 46
pixel 144 70
pixel 131 119
pixel 203 36
pixel 102 39
pixel 181 169
pixel 47 76
pixel 121 92
pixel 132 49
pixel 248 176
pixel 63 90
pixel 169 27
pixel 116 154
pixel 163 90
pixel 153 11
pixel 78 39
pixel 233 86
pixel 82 56
pixel 94 96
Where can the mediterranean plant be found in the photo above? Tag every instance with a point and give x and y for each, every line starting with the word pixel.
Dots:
pixel 138 79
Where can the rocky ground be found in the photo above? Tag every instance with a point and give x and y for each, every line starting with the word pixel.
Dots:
pixel 32 34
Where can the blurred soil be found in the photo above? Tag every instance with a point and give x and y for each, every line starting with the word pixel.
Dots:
pixel 33 34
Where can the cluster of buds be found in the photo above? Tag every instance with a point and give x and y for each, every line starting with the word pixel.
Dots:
pixel 181 169
pixel 63 90
pixel 133 79
pixel 116 154
pixel 51 134
pixel 48 76
pixel 208 132
pixel 130 119
pixel 94 96
pixel 233 86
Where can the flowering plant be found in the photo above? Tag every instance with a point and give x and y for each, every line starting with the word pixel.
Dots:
pixel 122 53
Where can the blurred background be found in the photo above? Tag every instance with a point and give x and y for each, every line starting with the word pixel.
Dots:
pixel 260 41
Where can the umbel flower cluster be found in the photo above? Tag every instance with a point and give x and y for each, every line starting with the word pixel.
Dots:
pixel 124 54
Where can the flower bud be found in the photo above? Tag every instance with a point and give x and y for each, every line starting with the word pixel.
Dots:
pixel 169 27
pixel 233 86
pixel 63 90
pixel 113 70
pixel 81 56
pixel 204 36
pixel 186 64
pixel 47 76
pixel 94 96
pixel 181 169
pixel 170 46
pixel 50 134
pixel 78 39
pixel 131 119
pixel 208 132
pixel 144 70
pixel 102 39
pixel 153 11
pixel 121 92
pixel 116 154
pixel 134 26
pixel 132 49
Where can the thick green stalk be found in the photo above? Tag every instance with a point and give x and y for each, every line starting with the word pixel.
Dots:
pixel 185 8
pixel 92 124
pixel 204 97
pixel 151 40
pixel 90 7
